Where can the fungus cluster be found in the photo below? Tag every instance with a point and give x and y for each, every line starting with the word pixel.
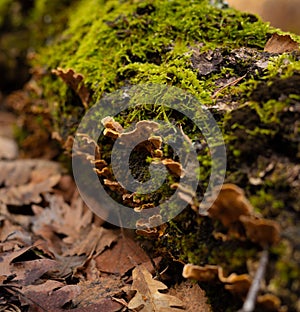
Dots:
pixel 238 284
pixel 147 146
pixel 232 209
pixel 235 283
pixel 229 205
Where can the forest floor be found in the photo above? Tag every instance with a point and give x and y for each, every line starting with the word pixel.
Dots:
pixel 56 255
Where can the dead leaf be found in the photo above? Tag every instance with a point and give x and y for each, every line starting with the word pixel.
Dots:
pixel 25 171
pixel 7 258
pixel 49 297
pixel 280 44
pixel 28 193
pixel 148 296
pixel 91 271
pixel 11 231
pixel 192 296
pixel 74 222
pixel 123 256
pixel 23 183
pixel 75 82
pixel 28 272
pixel 68 266
pixel 54 242
pixel 62 218
pixel 66 187
pixel 99 291
pixel 96 240
pixel 105 305
pixel 86 296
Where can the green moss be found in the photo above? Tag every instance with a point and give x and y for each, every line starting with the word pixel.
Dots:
pixel 266 203
pixel 114 43
pixel 287 273
pixel 188 238
pixel 233 255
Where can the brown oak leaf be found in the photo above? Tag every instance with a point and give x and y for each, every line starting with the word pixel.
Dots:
pixel 62 218
pixel 148 297
pixel 192 296
pixel 96 240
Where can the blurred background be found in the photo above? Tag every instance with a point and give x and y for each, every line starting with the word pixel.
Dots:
pixel 284 14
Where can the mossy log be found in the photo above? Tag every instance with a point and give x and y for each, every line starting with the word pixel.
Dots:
pixel 216 54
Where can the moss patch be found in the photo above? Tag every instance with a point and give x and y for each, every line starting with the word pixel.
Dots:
pixel 114 44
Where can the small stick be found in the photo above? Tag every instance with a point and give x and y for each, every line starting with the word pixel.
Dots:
pixel 250 301
pixel 231 83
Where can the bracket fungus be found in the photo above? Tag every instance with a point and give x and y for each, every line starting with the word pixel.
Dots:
pixel 143 145
pixel 110 123
pixel 235 283
pixel 187 195
pixel 151 228
pixel 230 204
pixel 270 302
pixel 205 273
pixel 143 129
pixel 75 82
pixel 174 166
pixel 238 284
pixel 262 231
pixel 112 128
pixel 156 141
pixel 232 207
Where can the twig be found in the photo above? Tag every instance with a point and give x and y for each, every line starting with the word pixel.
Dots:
pixel 231 83
pixel 250 301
